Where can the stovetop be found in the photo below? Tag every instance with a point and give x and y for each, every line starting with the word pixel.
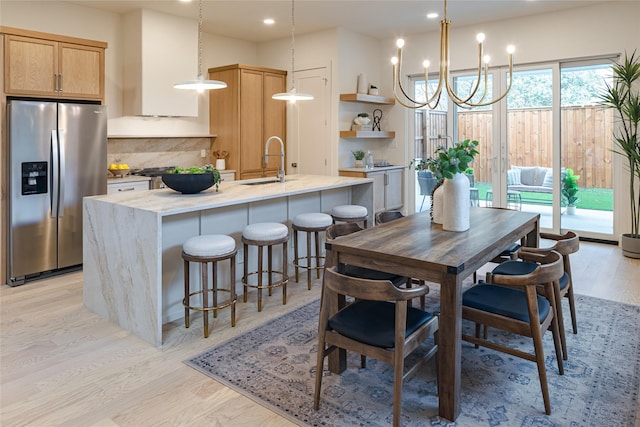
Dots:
pixel 155 171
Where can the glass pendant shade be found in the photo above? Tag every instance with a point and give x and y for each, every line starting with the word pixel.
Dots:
pixel 200 84
pixel 292 96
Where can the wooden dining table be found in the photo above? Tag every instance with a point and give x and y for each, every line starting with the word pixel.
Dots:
pixel 415 247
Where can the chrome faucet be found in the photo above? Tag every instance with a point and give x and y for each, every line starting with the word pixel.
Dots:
pixel 266 156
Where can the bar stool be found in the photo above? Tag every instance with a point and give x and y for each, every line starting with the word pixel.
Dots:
pixel 207 249
pixel 265 234
pixel 312 224
pixel 350 213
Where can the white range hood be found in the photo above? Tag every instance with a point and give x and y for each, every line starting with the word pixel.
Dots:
pixel 159 50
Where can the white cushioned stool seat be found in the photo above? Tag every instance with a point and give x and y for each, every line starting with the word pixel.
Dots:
pixel 349 211
pixel 210 245
pixel 204 250
pixel 265 235
pixel 265 231
pixel 313 220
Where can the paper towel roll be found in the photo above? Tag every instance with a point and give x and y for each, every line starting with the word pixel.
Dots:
pixel 363 83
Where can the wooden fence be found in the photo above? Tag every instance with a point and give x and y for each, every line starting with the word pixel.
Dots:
pixel 585 135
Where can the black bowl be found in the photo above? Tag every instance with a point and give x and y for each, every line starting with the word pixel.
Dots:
pixel 188 183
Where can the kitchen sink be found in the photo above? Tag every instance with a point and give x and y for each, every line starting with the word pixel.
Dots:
pixel 263 181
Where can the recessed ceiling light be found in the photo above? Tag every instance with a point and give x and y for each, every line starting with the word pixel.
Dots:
pixel 432 15
pixel 269 21
pixel 185 1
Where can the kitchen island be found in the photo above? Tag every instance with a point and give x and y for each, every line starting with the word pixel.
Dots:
pixel 132 242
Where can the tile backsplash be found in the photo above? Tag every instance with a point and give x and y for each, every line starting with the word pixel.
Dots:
pixel 153 152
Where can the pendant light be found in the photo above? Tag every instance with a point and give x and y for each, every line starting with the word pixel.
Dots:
pixel 292 96
pixel 200 84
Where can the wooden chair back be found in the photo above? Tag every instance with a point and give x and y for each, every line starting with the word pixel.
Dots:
pixel 372 290
pixel 386 216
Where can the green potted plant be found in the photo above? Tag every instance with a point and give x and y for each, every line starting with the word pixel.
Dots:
pixel 570 191
pixel 359 156
pixel 623 95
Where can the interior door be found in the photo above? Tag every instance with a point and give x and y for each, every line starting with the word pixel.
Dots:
pixel 308 138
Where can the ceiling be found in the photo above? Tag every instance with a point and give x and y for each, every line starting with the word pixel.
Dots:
pixel 242 19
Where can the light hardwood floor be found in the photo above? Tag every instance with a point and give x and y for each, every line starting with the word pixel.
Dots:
pixel 63 365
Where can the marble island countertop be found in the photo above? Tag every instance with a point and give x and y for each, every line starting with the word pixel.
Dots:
pixel 169 202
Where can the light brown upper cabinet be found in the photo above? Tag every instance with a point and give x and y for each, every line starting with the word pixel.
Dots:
pixel 47 65
pixel 243 116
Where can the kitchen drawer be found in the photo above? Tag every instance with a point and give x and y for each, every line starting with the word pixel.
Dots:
pixel 227 176
pixel 121 187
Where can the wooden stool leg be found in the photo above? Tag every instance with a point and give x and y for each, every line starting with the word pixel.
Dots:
pixel 186 293
pixel 296 257
pixel 245 278
pixel 309 258
pixel 232 289
pixel 205 297
pixel 285 275
pixel 214 288
pixel 260 278
pixel 270 268
pixel 317 255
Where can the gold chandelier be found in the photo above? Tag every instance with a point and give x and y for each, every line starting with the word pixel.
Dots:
pixel 444 81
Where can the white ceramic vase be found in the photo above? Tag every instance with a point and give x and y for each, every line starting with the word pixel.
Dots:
pixel 437 211
pixel 457 202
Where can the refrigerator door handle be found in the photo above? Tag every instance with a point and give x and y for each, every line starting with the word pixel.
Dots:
pixel 62 143
pixel 55 169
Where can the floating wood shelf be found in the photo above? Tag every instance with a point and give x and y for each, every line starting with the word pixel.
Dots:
pixel 367 99
pixel 367 134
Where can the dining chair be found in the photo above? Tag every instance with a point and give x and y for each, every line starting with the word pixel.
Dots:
pixel 565 244
pixel 516 307
pixel 342 229
pixel 388 216
pixel 379 324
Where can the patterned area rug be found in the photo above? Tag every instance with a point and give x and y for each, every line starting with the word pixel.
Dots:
pixel 275 366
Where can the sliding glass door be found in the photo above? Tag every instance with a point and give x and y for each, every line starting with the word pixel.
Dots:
pixel 546 149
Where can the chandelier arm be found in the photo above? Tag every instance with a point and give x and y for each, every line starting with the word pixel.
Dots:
pixel 436 94
pixel 397 82
pixel 459 100
pixel 398 76
pixel 501 97
pixel 401 100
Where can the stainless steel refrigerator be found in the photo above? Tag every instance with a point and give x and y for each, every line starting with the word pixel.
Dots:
pixel 57 154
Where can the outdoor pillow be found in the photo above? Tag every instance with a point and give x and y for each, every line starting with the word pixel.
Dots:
pixel 527 174
pixel 513 177
pixel 548 179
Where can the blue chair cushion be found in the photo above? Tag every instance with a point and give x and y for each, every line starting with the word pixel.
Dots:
pixel 564 280
pixel 503 301
pixel 366 273
pixel 373 322
pixel 515 268
pixel 510 250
